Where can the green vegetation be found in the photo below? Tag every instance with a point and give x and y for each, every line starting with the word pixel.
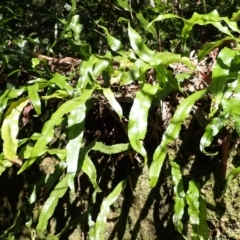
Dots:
pixel 100 99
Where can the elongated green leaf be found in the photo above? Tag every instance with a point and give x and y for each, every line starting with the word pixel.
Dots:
pixel 162 17
pixel 202 19
pixel 97 231
pixel 87 165
pixel 14 93
pixel 66 108
pixel 4 164
pixel 42 82
pixel 47 130
pixel 128 77
pixel 210 18
pixel 60 153
pixel 76 27
pixel 235 16
pixel 235 68
pixel 35 62
pixel 138 118
pixel 33 196
pixel 192 198
pixel 101 64
pixel 220 72
pixel 57 94
pixel 202 228
pixel 50 205
pixel 167 58
pixel 232 108
pixel 231 100
pixel 4 95
pixel 34 97
pixel 113 43
pixel 113 102
pixel 9 94
pixel 83 49
pixel 113 149
pixel 87 68
pixel 76 122
pixel 161 76
pixel 140 48
pixel 60 81
pixel 230 177
pixel 139 69
pixel 208 47
pixel 125 5
pixel 145 24
pixel 38 150
pixel 171 134
pixel 89 168
pixel 10 128
pixel 179 197
pixel 212 129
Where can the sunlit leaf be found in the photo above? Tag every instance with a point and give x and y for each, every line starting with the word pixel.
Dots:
pixel 113 149
pixel 51 203
pixel 4 163
pixel 211 130
pixel 210 18
pixel 140 48
pixel 139 70
pixel 76 27
pixel 102 62
pixel 34 97
pixel 230 177
pixel 145 24
pixel 60 81
pixel 42 82
pixel 7 95
pixel 35 62
pixel 162 17
pixel 57 94
pixel 83 49
pixel 179 197
pixel 192 198
pixel 48 128
pixel 10 129
pixel 76 122
pixel 124 4
pixel 98 230
pixel 171 134
pixel 113 102
pixel 60 153
pixel 113 43
pixel 220 72
pixel 86 67
pixel 86 163
pixel 33 196
pixel 230 103
pixel 202 19
pixel 89 168
pixel 138 118
pixel 208 47
pixel 235 17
